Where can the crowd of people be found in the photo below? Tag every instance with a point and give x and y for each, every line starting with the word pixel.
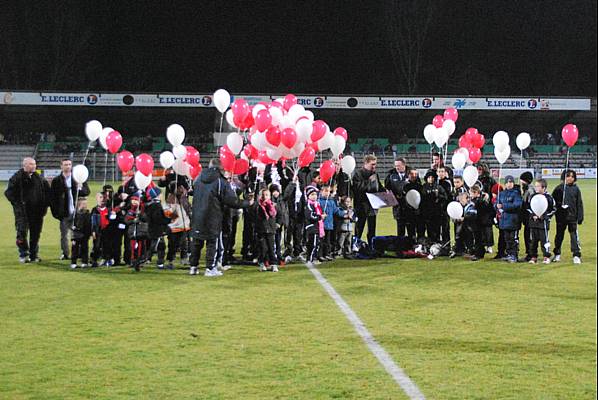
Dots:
pixel 290 216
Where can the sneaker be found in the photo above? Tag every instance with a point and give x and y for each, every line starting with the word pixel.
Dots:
pixel 329 258
pixel 275 268
pixel 262 267
pixel 225 267
pixel 546 260
pixel 288 259
pixel 160 266
pixel 301 258
pixel 193 271
pixel 556 258
pixel 317 262
pixel 219 265
pixel 170 266
pixel 475 258
pixel 24 260
pixel 73 266
pixel 533 260
pixel 83 265
pixel 355 248
pixel 185 261
pixel 489 250
pixel 512 260
pixel 212 272
pixel 452 254
pixel 63 257
pixel 35 259
pixel 576 260
pixel 110 263
pixel 309 264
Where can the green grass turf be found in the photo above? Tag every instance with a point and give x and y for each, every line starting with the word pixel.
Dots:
pixel 461 330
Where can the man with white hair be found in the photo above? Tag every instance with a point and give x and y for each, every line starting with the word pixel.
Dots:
pixel 29 195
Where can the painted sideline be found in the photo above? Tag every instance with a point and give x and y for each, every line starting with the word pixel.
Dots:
pixel 397 373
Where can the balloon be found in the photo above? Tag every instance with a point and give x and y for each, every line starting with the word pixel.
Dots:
pixel 103 135
pixel 429 132
pixel 297 149
pixel 319 130
pixel 144 164
pixel 276 115
pixel 278 104
pixel 539 204
pixel 234 141
pixel 342 132
pixel 413 198
pixel 470 175
pixel 193 170
pixel 125 161
pixel 470 135
pixel 523 140
pixel 192 156
pixel 458 160
pixel 478 141
pixel 274 154
pixel 348 164
pixel 142 181
pixel 449 125
pixel 180 167
pixel 166 159
pixel 327 170
pixel 500 139
pixel 113 141
pixel 80 173
pixel 475 154
pixel 180 152
pixel 263 120
pixel 451 114
pixel 221 100
pixel 295 112
pixel 326 141
pixel 454 209
pixel 438 121
pixel 440 137
pixel 502 154
pixel 289 101
pixel 227 160
pixel 273 136
pixel 464 142
pixel 263 157
pixel 570 134
pixel 258 140
pixel 175 134
pixel 250 151
pixel 464 151
pixel 240 109
pixel 338 146
pixel 304 129
pixel 230 118
pixel 247 122
pixel 93 129
pixel 241 166
pixel 288 137
pixel 306 157
pixel 257 108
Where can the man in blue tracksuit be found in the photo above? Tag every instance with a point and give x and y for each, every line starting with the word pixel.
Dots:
pixel 508 206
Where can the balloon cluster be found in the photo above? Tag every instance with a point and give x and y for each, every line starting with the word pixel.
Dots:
pixel 441 128
pixel 184 160
pixel 110 140
pixel 278 131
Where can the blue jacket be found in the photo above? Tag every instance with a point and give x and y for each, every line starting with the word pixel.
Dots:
pixel 330 208
pixel 511 201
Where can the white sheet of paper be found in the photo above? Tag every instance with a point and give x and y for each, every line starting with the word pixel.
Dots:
pixel 375 201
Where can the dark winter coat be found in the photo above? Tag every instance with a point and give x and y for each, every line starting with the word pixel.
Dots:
pixel 408 212
pixel 574 201
pixel 282 211
pixel 394 182
pixel 266 219
pixel 157 221
pixel 485 210
pixel 433 200
pixel 363 185
pixel 82 225
pixel 542 222
pixel 511 205
pixel 343 184
pixel 59 201
pixel 171 180
pixel 331 209
pixel 311 219
pixel 28 193
pixel 295 208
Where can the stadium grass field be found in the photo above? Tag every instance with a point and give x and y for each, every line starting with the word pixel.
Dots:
pixel 460 330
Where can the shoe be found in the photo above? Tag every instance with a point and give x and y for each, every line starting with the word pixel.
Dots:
pixel 169 266
pixel 499 257
pixel 275 268
pixel 355 248
pixel 35 259
pixel 219 265
pixel 160 266
pixel 63 257
pixel 254 260
pixel 489 249
pixel 110 263
pixel 212 272
pixel 348 257
pixel 556 258
pixel 73 266
pixel 546 260
pixel 329 258
pixel 193 271
pixel 452 254
pixel 83 265
pixel 301 258
pixel 475 258
pixel 288 259
pixel 576 260
pixel 24 260
pixel 262 267
pixel 309 264
pixel 317 262
pixel 225 267
pixel 322 259
pixel 533 260
pixel 512 260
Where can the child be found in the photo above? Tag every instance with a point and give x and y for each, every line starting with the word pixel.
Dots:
pixel 433 202
pixel 178 229
pixel 346 227
pixel 137 231
pixel 569 214
pixel 314 224
pixel 158 226
pixel 463 237
pixel 508 205
pixel 282 219
pixel 330 208
pixel 459 187
pixel 102 242
pixel 293 196
pixel 445 182
pixel 539 225
pixel 81 234
pixel 265 229
pixel 478 225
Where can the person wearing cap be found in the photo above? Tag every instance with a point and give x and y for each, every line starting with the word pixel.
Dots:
pixel 433 203
pixel 508 205
pixel 527 191
pixel 314 224
pixel 569 214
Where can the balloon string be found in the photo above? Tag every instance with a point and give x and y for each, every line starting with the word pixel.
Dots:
pixel 86 152
pixel 105 166
pixel 221 120
pixel 566 168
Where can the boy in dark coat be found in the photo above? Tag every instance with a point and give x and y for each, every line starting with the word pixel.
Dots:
pixel 508 205
pixel 569 214
pixel 433 204
pixel 102 243
pixel 282 220
pixel 157 225
pixel 540 225
pixel 295 200
pixel 81 234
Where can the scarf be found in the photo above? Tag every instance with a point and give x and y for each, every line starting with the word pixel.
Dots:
pixel 318 209
pixel 268 207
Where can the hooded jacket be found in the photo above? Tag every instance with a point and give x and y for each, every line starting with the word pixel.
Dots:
pixel 542 222
pixel 574 201
pixel 511 205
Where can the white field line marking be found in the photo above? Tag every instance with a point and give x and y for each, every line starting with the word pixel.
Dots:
pixel 397 373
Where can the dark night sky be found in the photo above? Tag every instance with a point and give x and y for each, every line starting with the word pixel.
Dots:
pixel 472 47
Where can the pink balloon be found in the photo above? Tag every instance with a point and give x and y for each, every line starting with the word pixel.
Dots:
pixel 192 155
pixel 241 166
pixel 263 120
pixel 340 131
pixel 125 160
pixel 474 154
pixel 289 101
pixel 251 152
pixel 144 164
pixel 451 114
pixel 288 137
pixel 478 141
pixel 319 130
pixel 263 157
pixel 240 109
pixel 227 160
pixel 273 136
pixel 194 170
pixel 464 142
pixel 306 157
pixel 570 134
pixel 113 141
pixel 471 134
pixel 327 170
pixel 438 121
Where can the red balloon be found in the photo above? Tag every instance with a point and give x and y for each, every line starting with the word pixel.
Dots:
pixel 307 156
pixel 277 105
pixel 570 134
pixel 113 141
pixel 475 154
pixel 319 130
pixel 144 164
pixel 273 136
pixel 340 131
pixel 451 113
pixel 478 141
pixel 241 166
pixel 240 109
pixel 263 120
pixel 438 121
pixel 225 149
pixel 470 134
pixel 250 151
pixel 125 161
pixel 327 170
pixel 194 170
pixel 246 123
pixel 463 142
pixel 263 157
pixel 227 160
pixel 288 137
pixel 192 155
pixel 289 101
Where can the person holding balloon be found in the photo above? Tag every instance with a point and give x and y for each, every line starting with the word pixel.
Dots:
pixel 569 215
pixel 541 209
pixel 508 205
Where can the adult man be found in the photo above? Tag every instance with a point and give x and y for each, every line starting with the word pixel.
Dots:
pixel 366 181
pixel 211 194
pixel 64 192
pixel 394 182
pixel 29 195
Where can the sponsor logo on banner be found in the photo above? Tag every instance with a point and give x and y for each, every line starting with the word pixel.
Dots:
pixel 507 104
pixel 7 98
pixel 58 98
pixel 206 100
pixel 180 100
pixel 532 103
pixel 400 102
pixel 92 99
pixel 427 103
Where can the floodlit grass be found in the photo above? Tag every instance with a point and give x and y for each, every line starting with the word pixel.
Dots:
pixel 461 330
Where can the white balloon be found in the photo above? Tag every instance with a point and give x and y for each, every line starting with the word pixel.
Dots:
pixel 338 146
pixel 348 164
pixel 142 181
pixel 523 140
pixel 449 125
pixel 287 122
pixel 221 100
pixel 440 136
pixel 298 149
pixel 258 140
pixel 273 154
pixel 470 175
pixel 539 204
pixel 103 135
pixel 93 129
pixel 230 118
pixel 276 114
pixel 257 108
pixel 309 115
pixel 458 160
pixel 296 111
pixel 454 209
pixel 166 159
pixel 180 152
pixel 80 173
pixel 413 198
pixel 175 134
pixel 180 167
pixel 502 154
pixel 429 133
pixel 234 141
pixel 304 128
pixel 326 141
pixel 500 139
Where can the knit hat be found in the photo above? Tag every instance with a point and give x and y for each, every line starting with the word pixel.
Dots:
pixel 134 197
pixel 311 189
pixel 431 172
pixel 526 177
pixel 509 178
pixel 274 188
